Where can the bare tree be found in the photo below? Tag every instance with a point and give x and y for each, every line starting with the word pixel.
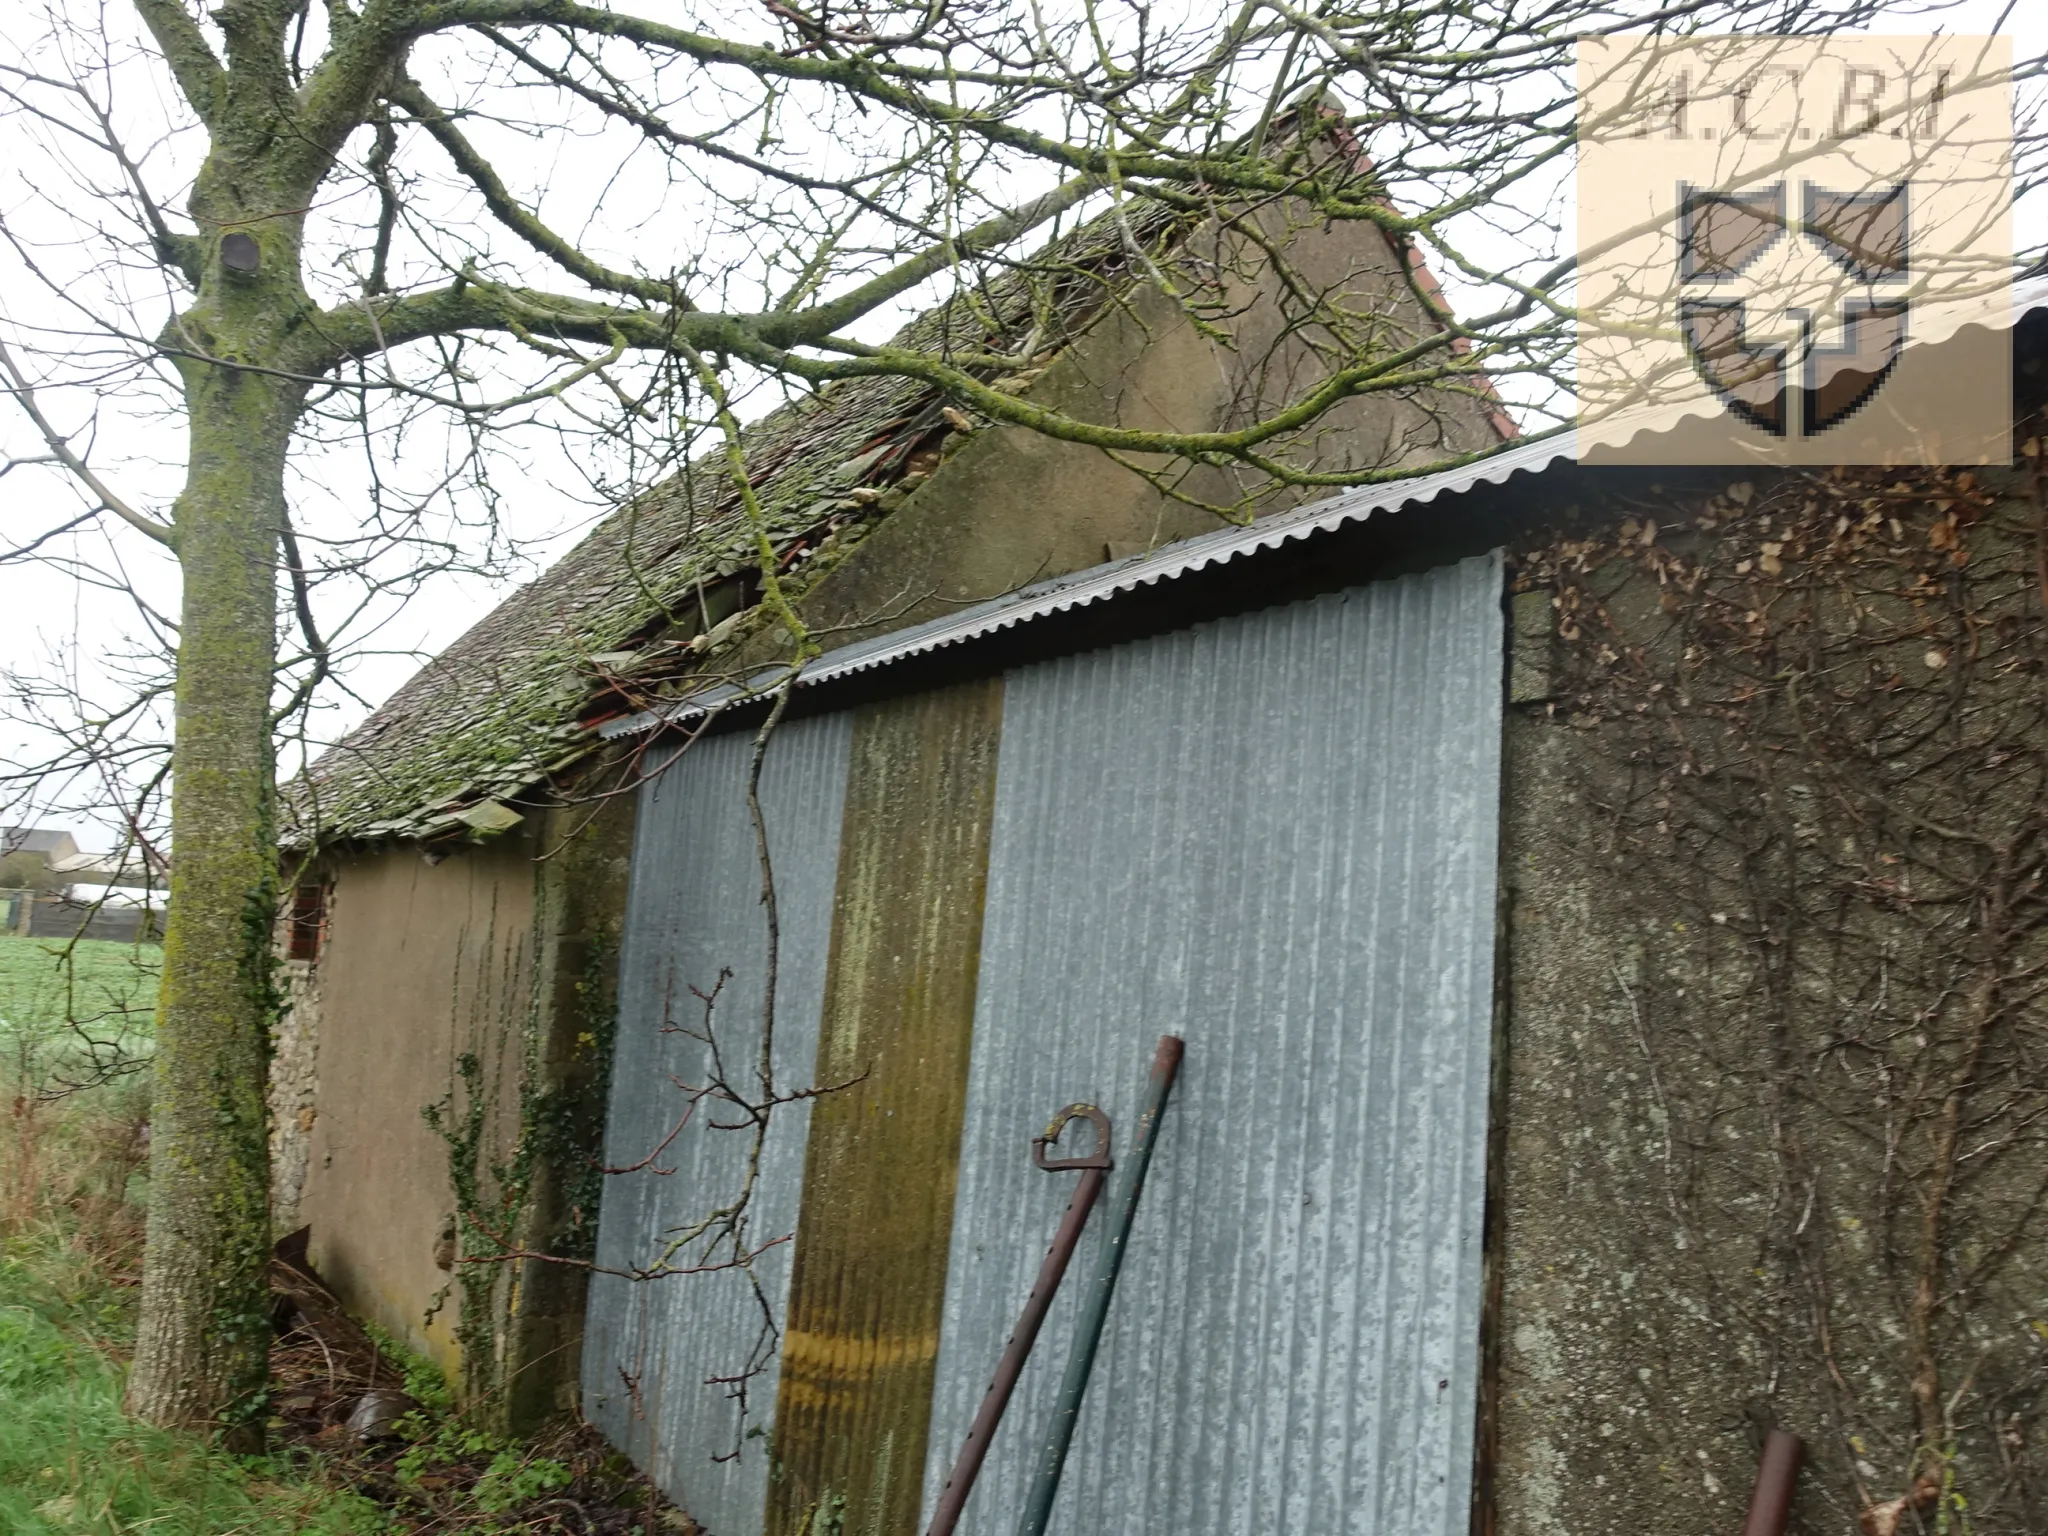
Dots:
pixel 403 227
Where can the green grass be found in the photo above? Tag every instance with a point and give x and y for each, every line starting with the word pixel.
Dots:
pixel 72 1184
pixel 73 1188
pixel 70 1462
pixel 74 1012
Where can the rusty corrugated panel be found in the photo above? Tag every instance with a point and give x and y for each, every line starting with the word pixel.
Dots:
pixel 651 1347
pixel 863 1333
pixel 1274 835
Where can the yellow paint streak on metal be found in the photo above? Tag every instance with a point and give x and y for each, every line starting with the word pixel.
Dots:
pixel 870 1270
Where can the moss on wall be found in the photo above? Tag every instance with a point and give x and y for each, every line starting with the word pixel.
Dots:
pixel 869 1277
pixel 580 914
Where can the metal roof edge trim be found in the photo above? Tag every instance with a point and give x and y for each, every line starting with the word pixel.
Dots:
pixel 1101 583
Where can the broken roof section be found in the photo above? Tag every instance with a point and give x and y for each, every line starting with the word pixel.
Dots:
pixel 663 583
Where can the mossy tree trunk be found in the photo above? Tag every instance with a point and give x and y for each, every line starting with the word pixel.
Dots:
pixel 201 1353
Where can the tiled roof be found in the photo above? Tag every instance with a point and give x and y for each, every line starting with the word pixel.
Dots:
pixel 520 695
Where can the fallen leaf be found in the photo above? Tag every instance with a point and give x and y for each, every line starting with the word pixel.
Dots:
pixel 1885 1519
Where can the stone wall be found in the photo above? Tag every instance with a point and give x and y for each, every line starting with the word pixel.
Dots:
pixel 294 1089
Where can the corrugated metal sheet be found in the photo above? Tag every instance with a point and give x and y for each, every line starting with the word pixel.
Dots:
pixel 1274 835
pixel 692 913
pixel 870 1276
pixel 1103 583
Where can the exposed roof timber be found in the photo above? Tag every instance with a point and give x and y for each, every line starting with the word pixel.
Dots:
pixel 1106 583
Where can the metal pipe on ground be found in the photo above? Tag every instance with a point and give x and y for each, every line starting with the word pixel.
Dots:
pixel 974 1450
pixel 1123 1211
pixel 1777 1473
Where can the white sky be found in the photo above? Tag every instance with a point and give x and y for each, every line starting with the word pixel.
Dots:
pixel 54 622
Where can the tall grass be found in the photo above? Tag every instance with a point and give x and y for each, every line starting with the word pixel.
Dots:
pixel 72 1186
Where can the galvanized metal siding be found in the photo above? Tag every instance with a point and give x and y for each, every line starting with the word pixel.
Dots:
pixel 862 1334
pixel 1274 835
pixel 691 914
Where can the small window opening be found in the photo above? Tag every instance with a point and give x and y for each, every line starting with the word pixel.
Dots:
pixel 308 922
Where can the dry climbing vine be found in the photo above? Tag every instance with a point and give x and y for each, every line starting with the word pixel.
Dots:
pixel 1815 715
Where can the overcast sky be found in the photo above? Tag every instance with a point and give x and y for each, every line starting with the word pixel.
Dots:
pixel 59 625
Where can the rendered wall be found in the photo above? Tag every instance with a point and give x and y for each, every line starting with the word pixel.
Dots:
pixel 1012 507
pixel 423 964
pixel 1773 841
pixel 482 987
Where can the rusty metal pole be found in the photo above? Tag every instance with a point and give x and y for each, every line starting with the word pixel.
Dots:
pixel 1770 1504
pixel 974 1450
pixel 1123 1211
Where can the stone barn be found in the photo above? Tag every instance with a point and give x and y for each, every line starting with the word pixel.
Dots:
pixel 452 939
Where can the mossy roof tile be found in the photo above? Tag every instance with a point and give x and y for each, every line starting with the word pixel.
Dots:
pixel 482 718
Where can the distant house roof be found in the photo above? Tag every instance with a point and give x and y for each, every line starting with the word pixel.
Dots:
pixel 523 694
pixel 52 842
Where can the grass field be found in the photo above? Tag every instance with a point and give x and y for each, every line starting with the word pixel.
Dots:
pixel 70 1461
pixel 74 1012
pixel 73 1192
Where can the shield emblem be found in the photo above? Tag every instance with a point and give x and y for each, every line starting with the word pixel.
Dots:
pixel 1722 239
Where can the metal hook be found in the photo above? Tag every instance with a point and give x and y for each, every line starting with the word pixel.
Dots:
pixel 1097 1158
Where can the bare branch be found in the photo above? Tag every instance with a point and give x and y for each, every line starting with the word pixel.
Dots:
pixel 18 386
pixel 187 54
pixel 479 172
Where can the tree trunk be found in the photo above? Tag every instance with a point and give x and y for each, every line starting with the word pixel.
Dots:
pixel 201 1355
